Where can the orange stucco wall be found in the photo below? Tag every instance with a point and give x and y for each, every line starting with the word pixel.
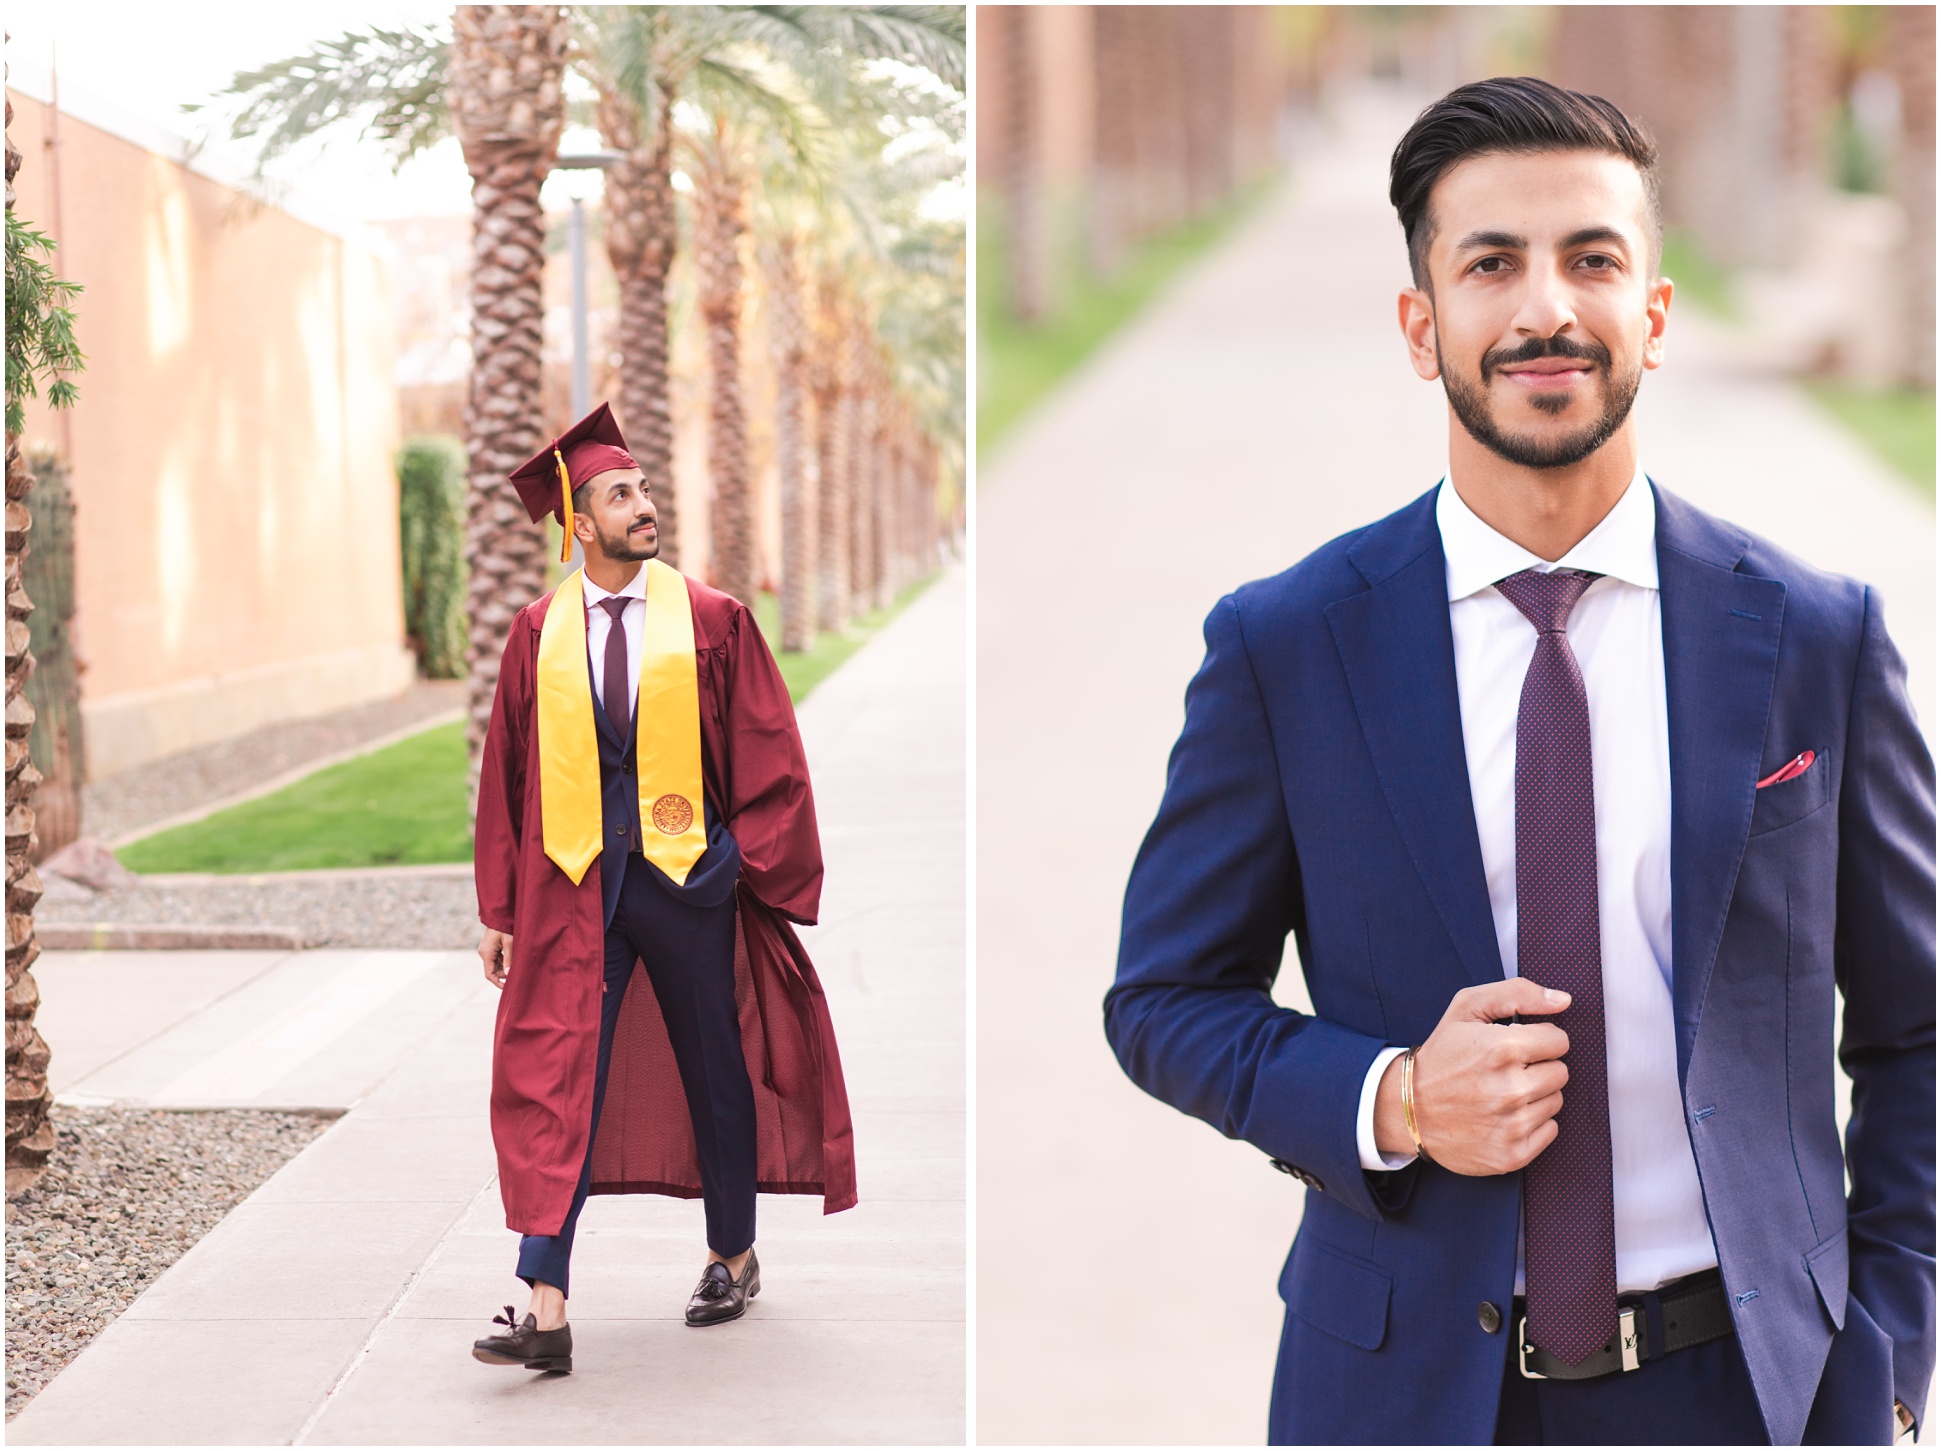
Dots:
pixel 236 529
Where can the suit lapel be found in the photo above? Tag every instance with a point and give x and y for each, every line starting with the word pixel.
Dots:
pixel 1721 633
pixel 1399 656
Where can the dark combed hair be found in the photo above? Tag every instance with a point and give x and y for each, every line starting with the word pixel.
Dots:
pixel 1508 114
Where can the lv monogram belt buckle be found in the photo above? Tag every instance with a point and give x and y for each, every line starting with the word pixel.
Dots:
pixel 1629 1348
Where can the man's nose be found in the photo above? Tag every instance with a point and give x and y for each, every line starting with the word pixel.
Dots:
pixel 1545 307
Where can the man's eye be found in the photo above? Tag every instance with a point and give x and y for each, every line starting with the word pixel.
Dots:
pixel 1599 262
pixel 1491 264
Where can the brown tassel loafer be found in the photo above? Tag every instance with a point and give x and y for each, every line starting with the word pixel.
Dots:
pixel 720 1296
pixel 524 1343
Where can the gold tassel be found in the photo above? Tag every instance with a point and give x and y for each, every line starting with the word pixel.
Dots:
pixel 566 493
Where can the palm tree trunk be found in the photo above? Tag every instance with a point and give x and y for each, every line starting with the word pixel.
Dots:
pixel 1022 168
pixel 897 498
pixel 30 1133
pixel 640 237
pixel 882 479
pixel 832 456
pixel 789 344
pixel 862 473
pixel 718 233
pixel 505 103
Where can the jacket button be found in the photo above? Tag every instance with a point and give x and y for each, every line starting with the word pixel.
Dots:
pixel 1489 1317
pixel 620 831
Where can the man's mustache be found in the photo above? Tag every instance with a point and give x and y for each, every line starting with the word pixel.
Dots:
pixel 1531 349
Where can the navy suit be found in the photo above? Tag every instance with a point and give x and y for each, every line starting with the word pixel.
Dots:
pixel 1320 788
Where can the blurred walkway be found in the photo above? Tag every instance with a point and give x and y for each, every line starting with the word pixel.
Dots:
pixel 339 1302
pixel 1261 408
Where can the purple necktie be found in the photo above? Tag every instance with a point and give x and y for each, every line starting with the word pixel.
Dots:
pixel 619 708
pixel 1569 1242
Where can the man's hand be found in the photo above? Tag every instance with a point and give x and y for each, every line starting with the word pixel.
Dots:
pixel 1486 1092
pixel 495 951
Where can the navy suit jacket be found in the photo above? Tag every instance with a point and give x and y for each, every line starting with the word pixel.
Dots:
pixel 1320 788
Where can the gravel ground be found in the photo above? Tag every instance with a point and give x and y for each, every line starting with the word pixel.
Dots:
pixel 159 789
pixel 126 1193
pixel 390 909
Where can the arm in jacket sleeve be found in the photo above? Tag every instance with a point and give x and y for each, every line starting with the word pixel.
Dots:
pixel 1884 964
pixel 1214 892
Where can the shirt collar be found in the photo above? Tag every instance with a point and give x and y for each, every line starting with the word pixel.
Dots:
pixel 636 588
pixel 1624 544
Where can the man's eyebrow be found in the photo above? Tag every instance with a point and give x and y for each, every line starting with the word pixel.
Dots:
pixel 1583 235
pixel 1487 238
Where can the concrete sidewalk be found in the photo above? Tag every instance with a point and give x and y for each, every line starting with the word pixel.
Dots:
pixel 339 1302
pixel 1260 408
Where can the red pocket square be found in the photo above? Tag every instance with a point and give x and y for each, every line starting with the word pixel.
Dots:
pixel 1795 767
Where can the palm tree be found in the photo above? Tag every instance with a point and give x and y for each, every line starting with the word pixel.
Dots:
pixel 720 222
pixel 506 66
pixel 40 350
pixel 642 59
pixel 833 398
pixel 781 255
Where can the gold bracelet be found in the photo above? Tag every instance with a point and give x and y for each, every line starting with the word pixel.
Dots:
pixel 1408 1103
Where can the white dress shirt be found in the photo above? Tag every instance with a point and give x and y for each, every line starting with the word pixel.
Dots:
pixel 598 622
pixel 1616 633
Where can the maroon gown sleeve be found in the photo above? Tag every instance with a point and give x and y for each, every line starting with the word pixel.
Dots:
pixel 502 783
pixel 771 811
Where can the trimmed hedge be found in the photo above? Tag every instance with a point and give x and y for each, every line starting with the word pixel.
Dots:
pixel 431 539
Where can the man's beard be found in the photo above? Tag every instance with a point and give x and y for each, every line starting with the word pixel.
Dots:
pixel 621 548
pixel 1471 402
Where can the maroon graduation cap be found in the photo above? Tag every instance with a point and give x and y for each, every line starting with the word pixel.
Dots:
pixel 546 480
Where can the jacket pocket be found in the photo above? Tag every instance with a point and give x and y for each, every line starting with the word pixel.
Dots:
pixel 1338 1293
pixel 1784 802
pixel 1826 1262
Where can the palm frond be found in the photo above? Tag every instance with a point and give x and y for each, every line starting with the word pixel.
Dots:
pixel 393 81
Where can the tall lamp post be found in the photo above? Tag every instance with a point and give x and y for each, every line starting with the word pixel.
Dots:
pixel 579 190
pixel 581 161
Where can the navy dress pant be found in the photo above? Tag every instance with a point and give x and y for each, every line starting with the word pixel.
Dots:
pixel 1699 1396
pixel 686 941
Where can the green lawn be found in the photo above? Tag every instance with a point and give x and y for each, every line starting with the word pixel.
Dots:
pixel 404 805
pixel 1018 364
pixel 1896 423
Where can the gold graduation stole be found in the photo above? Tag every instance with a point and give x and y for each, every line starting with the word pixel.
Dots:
pixel 667 732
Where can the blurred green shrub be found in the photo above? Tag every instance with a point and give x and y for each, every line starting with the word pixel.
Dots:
pixel 431 538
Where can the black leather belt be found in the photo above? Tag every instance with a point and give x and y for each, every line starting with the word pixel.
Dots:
pixel 1651 1325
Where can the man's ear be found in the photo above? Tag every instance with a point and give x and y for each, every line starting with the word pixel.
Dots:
pixel 1656 310
pixel 1415 310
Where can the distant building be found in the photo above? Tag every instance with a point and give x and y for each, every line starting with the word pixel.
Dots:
pixel 236 530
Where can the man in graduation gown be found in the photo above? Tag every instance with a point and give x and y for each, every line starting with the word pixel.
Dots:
pixel 644 812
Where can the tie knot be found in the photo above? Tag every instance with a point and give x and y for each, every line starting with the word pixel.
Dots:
pixel 614 604
pixel 1546 600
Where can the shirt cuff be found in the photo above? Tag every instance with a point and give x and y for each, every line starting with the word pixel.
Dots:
pixel 1372 1158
